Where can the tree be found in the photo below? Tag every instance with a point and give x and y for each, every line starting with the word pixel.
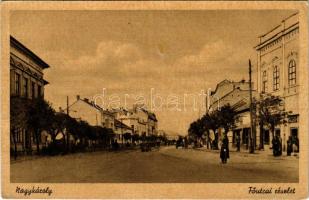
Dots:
pixel 39 117
pixel 197 129
pixel 18 118
pixel 58 126
pixel 270 112
pixel 135 137
pixel 210 122
pixel 227 117
pixel 127 136
pixel 224 118
pixel 207 126
pixel 80 131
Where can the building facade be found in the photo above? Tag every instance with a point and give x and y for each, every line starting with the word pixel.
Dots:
pixel 94 115
pixel 237 95
pixel 86 110
pixel 26 81
pixel 121 128
pixel 140 120
pixel 278 74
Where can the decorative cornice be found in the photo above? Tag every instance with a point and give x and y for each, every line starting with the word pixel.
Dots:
pixel 14 42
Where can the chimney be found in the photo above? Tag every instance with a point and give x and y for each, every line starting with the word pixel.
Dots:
pixel 86 99
pixel 77 97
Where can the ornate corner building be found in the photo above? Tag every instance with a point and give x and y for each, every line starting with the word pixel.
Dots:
pixel 278 74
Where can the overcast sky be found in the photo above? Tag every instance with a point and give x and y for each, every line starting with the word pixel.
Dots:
pixel 130 52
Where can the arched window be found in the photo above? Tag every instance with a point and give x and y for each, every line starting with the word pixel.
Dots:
pixel 276 78
pixel 264 81
pixel 292 72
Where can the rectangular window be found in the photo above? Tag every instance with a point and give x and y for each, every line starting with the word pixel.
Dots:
pixel 39 91
pixel 294 132
pixel 33 90
pixel 17 84
pixel 266 137
pixel 276 78
pixel 25 87
pixel 264 82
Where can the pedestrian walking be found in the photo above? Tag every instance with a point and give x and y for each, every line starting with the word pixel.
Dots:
pixel 224 152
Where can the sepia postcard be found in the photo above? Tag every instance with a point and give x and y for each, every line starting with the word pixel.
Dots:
pixel 154 100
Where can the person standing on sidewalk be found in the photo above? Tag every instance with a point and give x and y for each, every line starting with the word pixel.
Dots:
pixel 279 145
pixel 289 146
pixel 274 146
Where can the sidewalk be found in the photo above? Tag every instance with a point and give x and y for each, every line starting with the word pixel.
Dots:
pixel 258 159
pixel 23 158
pixel 266 153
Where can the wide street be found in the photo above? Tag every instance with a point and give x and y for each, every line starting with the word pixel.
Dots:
pixel 169 165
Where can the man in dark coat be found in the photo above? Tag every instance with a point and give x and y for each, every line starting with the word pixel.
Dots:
pixel 225 146
pixel 289 146
pixel 275 146
pixel 279 145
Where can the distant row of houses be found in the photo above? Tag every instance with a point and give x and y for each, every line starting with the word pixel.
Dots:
pixel 277 74
pixel 137 120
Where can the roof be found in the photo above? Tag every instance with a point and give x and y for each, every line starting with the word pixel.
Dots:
pixel 221 83
pixel 93 105
pixel 286 26
pixel 263 35
pixel 240 103
pixel 121 125
pixel 14 42
pixel 152 116
pixel 225 81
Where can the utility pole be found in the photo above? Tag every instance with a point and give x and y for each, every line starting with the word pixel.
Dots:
pixel 252 132
pixel 67 132
pixel 121 130
pixel 67 105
